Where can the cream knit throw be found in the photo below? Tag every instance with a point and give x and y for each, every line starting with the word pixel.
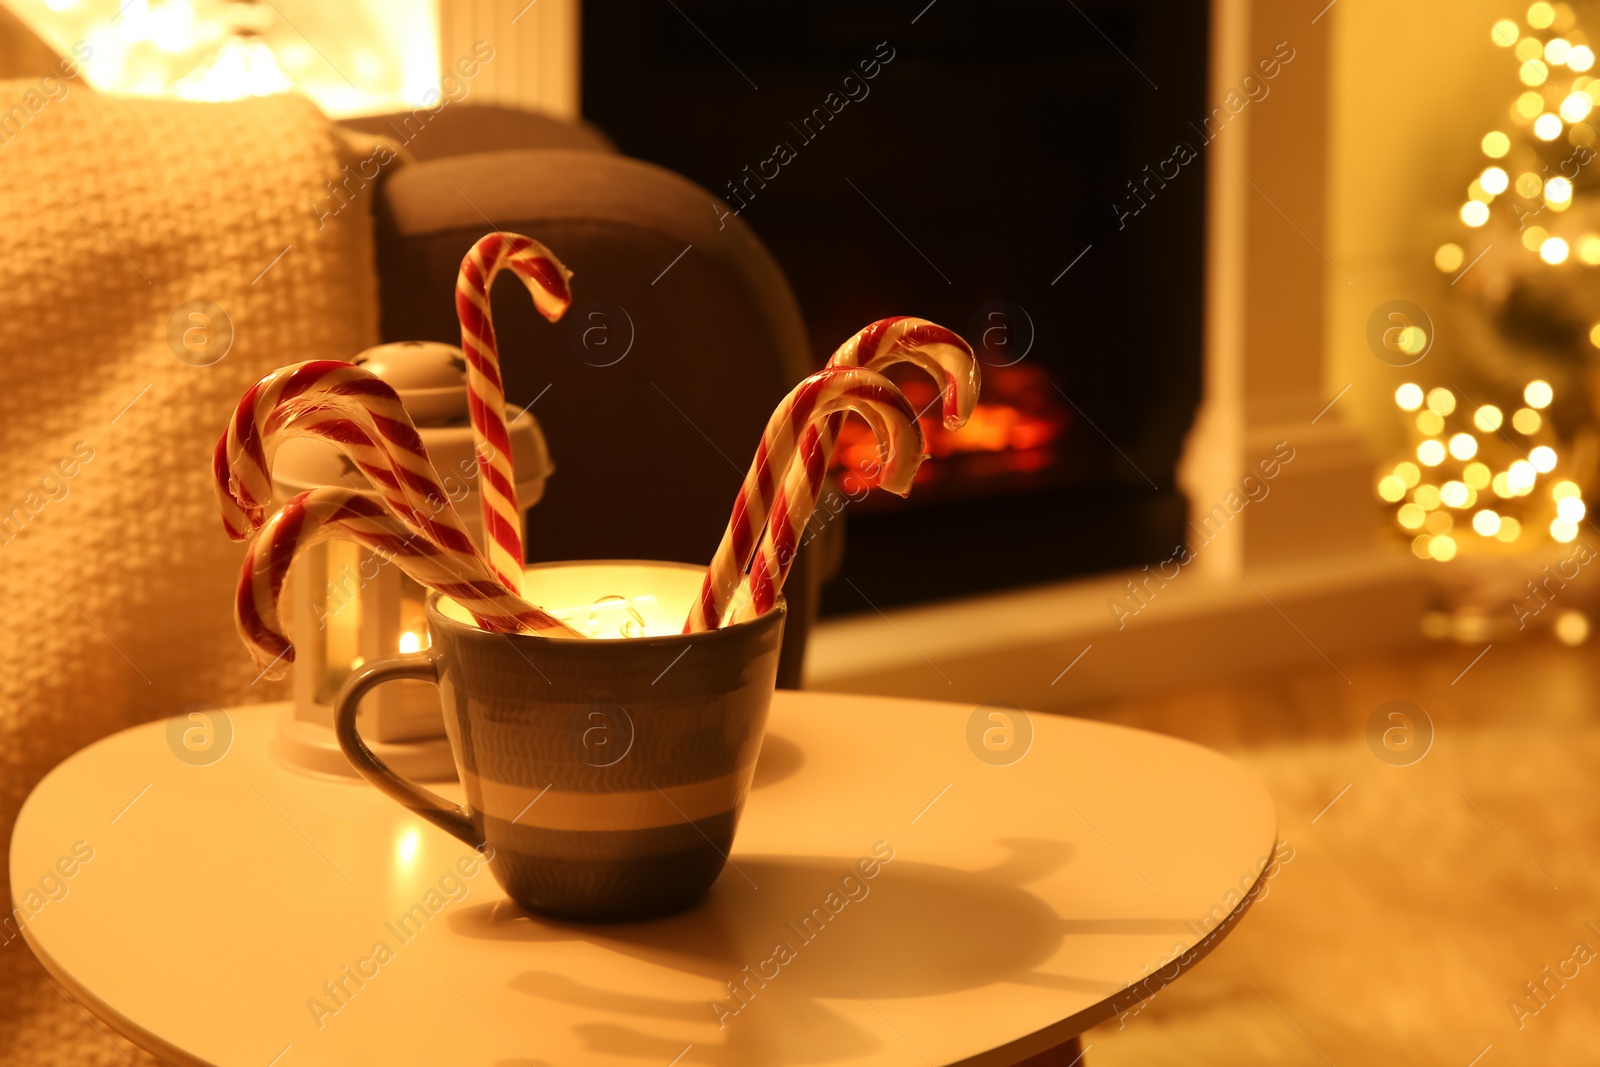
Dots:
pixel 116 575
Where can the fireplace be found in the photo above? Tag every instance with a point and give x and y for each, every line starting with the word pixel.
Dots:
pixel 1007 174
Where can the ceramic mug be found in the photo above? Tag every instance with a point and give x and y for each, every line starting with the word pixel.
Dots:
pixel 607 775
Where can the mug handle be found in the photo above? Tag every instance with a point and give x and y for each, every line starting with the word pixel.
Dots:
pixel 421 666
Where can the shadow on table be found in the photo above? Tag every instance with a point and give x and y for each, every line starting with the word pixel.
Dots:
pixel 780 937
pixel 780 759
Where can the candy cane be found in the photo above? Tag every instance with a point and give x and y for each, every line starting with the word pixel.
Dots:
pixel 357 412
pixel 935 349
pixel 546 280
pixel 317 515
pixel 818 398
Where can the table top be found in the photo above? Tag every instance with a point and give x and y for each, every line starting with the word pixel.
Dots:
pixel 244 912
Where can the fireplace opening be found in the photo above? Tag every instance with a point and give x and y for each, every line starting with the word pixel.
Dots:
pixel 1009 172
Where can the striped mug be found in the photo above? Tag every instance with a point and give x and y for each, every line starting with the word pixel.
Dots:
pixel 604 778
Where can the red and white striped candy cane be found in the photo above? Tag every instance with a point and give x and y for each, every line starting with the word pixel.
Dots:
pixel 320 514
pixel 358 413
pixel 817 399
pixel 546 280
pixel 940 352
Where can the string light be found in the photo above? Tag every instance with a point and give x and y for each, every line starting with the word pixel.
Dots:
pixel 1495 144
pixel 1553 250
pixel 1538 393
pixel 1429 423
pixel 1488 418
pixel 1486 523
pixel 1409 395
pixel 1449 258
pixel 1441 400
pixel 1547 127
pixel 1526 421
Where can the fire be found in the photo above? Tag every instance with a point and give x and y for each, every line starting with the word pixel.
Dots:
pixel 1017 421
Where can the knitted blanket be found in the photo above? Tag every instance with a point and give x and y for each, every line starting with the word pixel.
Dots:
pixel 124 226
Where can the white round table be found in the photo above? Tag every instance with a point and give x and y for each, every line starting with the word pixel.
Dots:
pixel 246 913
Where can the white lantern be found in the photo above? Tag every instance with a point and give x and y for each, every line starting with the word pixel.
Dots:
pixel 345 605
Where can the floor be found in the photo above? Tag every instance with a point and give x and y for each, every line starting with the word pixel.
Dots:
pixel 1429 884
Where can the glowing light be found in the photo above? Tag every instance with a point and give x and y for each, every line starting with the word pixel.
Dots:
pixel 1529 184
pixel 1554 250
pixel 1541 15
pixel 1563 490
pixel 1576 107
pixel 1391 489
pixel 1572 627
pixel 1526 421
pixel 1563 531
pixel 1409 396
pixel 1487 418
pixel 1408 472
pixel 1547 127
pixel 1442 548
pixel 1495 144
pixel 1429 423
pixel 1431 453
pixel 1474 213
pixel 1589 249
pixel 406 849
pixel 63 5
pixel 1581 58
pixel 1543 459
pixel 1476 475
pixel 1510 530
pixel 1494 180
pixel 1534 72
pixel 1529 48
pixel 1449 258
pixel 1581 133
pixel 410 642
pixel 1571 508
pixel 1419 546
pixel 1556 51
pixel 1463 446
pixel 1426 497
pixel 1454 494
pixel 1439 522
pixel 1504 33
pixel 1558 190
pixel 1528 105
pixel 1521 476
pixel 1538 393
pixel 1486 523
pixel 1502 486
pixel 1477 192
pixel 1412 517
pixel 1594 335
pixel 1441 400
pixel 1533 237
